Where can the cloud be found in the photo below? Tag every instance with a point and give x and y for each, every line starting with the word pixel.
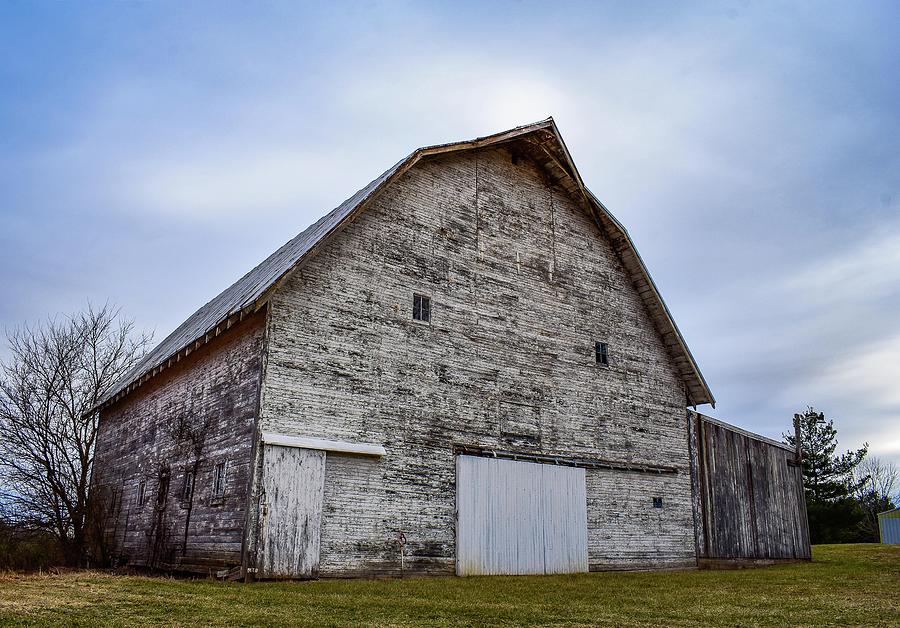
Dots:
pixel 861 383
pixel 212 183
pixel 433 97
pixel 825 333
pixel 870 374
pixel 867 271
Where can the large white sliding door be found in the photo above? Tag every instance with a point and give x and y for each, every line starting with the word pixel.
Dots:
pixel 519 517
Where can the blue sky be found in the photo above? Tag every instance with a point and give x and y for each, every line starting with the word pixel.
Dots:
pixel 152 152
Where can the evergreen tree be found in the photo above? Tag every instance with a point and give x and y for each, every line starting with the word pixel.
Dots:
pixel 826 476
pixel 835 516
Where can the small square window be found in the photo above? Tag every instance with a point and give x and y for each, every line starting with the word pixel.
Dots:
pixel 657 502
pixel 602 353
pixel 219 481
pixel 421 308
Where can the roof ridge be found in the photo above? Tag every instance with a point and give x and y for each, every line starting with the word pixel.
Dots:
pixel 252 290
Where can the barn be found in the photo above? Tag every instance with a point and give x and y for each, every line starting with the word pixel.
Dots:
pixel 465 368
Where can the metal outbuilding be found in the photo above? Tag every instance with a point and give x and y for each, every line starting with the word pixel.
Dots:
pixel 889 524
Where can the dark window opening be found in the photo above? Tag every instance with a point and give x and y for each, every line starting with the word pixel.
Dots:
pixel 141 487
pixel 421 308
pixel 657 502
pixel 602 351
pixel 188 487
pixel 162 490
pixel 219 481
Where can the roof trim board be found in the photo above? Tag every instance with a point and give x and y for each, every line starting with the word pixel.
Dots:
pixel 742 431
pixel 252 291
pixel 323 444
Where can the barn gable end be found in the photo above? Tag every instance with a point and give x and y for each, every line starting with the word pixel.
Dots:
pixel 541 141
pixel 522 284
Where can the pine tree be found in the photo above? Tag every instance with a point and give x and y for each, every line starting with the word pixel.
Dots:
pixel 834 514
pixel 826 476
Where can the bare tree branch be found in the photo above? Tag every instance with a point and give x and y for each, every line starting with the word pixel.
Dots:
pixel 58 371
pixel 877 483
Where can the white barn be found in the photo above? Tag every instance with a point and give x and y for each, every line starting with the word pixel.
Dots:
pixel 464 368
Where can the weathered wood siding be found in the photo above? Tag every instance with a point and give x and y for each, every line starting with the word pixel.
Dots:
pixel 291 502
pixel 752 495
pixel 522 284
pixel 625 531
pixel 194 416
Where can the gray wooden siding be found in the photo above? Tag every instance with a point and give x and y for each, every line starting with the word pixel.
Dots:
pixel 540 142
pixel 522 284
pixel 752 496
pixel 520 518
pixel 363 518
pixel 195 416
pixel 291 502
pixel 625 530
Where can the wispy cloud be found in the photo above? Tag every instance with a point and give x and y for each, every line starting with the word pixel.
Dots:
pixel 865 272
pixel 862 382
pixel 214 183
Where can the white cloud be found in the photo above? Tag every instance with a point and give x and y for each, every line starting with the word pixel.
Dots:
pixel 436 94
pixel 870 374
pixel 866 271
pixel 233 179
pixel 862 385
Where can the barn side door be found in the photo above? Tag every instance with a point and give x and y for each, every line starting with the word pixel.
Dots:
pixel 293 482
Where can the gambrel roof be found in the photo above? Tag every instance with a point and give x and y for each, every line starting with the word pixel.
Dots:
pixel 541 141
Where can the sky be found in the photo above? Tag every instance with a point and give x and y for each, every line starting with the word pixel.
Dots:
pixel 153 152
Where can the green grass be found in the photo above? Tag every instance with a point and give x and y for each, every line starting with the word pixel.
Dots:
pixel 843 585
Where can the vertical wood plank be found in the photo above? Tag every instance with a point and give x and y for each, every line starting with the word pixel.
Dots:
pixel 293 485
pixel 753 501
pixel 520 517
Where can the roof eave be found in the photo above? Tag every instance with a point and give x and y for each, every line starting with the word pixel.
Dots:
pixel 706 395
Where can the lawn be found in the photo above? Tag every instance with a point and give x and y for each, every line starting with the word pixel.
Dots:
pixel 843 585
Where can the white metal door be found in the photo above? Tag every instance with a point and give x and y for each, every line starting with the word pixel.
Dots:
pixel 519 517
pixel 291 512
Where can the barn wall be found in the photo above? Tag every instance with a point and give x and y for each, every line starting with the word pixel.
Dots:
pixel 522 285
pixel 625 532
pixel 194 416
pixel 753 505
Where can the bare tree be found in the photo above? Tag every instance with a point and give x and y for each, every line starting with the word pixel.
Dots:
pixel 878 484
pixel 877 476
pixel 56 373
